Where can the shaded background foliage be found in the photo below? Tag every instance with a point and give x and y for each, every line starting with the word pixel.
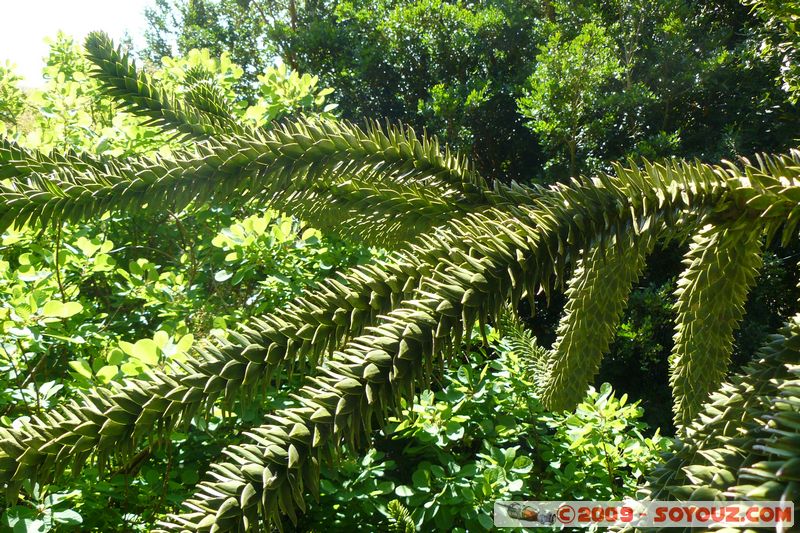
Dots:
pixel 678 78
pixel 690 78
pixel 89 303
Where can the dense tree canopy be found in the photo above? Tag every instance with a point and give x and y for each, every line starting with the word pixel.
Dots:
pixel 690 78
pixel 376 264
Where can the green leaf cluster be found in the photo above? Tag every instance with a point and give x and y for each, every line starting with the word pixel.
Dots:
pixel 362 349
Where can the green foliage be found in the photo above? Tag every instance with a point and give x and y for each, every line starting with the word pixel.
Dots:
pixel 399 518
pixel 70 112
pixel 42 514
pixel 597 293
pixel 781 38
pixel 269 258
pixel 451 69
pixel 721 266
pixel 483 436
pixel 230 27
pixel 284 92
pixel 179 74
pixel 351 370
pixel 693 79
pixel 129 295
pixel 12 98
pixel 599 452
pixel 568 86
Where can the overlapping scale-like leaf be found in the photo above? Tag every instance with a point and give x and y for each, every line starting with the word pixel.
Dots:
pixel 203 93
pixel 307 167
pixel 268 475
pixel 136 91
pixel 387 323
pixel 743 444
pixel 597 294
pixel 524 345
pixel 17 162
pixel 111 422
pixel 721 266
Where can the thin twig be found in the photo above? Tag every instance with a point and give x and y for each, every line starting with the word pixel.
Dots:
pixel 187 245
pixel 261 11
pixel 165 484
pixel 28 365
pixel 17 376
pixel 56 266
pixel 607 457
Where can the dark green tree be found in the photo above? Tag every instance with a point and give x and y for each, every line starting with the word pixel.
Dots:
pixel 233 26
pixel 464 250
pixel 568 89
pixel 453 69
pixel 781 38
pixel 695 79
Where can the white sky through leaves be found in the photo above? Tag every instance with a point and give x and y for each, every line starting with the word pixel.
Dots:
pixel 24 25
